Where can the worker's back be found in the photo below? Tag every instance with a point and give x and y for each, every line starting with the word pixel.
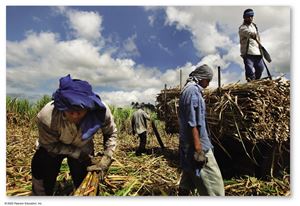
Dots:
pixel 139 121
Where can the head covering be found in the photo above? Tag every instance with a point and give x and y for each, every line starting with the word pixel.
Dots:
pixel 75 93
pixel 248 13
pixel 201 72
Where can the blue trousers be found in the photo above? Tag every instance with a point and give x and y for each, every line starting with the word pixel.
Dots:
pixel 254 66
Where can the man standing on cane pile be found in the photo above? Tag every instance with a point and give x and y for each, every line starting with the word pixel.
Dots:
pixel 250 48
pixel 200 172
pixel 66 128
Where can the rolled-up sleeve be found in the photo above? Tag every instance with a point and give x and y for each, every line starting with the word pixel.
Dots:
pixel 245 32
pixel 191 107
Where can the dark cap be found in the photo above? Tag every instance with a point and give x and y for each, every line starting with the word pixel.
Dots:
pixel 248 13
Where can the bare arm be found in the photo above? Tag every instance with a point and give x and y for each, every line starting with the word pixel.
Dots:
pixel 196 139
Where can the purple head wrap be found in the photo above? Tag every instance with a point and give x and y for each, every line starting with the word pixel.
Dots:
pixel 75 93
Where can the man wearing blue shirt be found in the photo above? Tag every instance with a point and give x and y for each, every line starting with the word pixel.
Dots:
pixel 200 172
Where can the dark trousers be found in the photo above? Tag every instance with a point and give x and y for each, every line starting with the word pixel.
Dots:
pixel 46 167
pixel 254 66
pixel 143 141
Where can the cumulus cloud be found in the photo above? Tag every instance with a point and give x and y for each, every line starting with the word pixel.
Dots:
pixel 215 28
pixel 32 47
pixel 206 37
pixel 129 48
pixel 281 50
pixel 43 58
pixel 86 25
pixel 123 98
pixel 172 76
pixel 83 24
pixel 37 62
pixel 180 18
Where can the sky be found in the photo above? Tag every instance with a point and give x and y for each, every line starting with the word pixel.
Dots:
pixel 128 53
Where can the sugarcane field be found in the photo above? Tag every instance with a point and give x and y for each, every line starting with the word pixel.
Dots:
pixel 248 123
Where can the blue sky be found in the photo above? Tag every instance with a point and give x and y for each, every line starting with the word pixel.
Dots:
pixel 155 47
pixel 128 53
